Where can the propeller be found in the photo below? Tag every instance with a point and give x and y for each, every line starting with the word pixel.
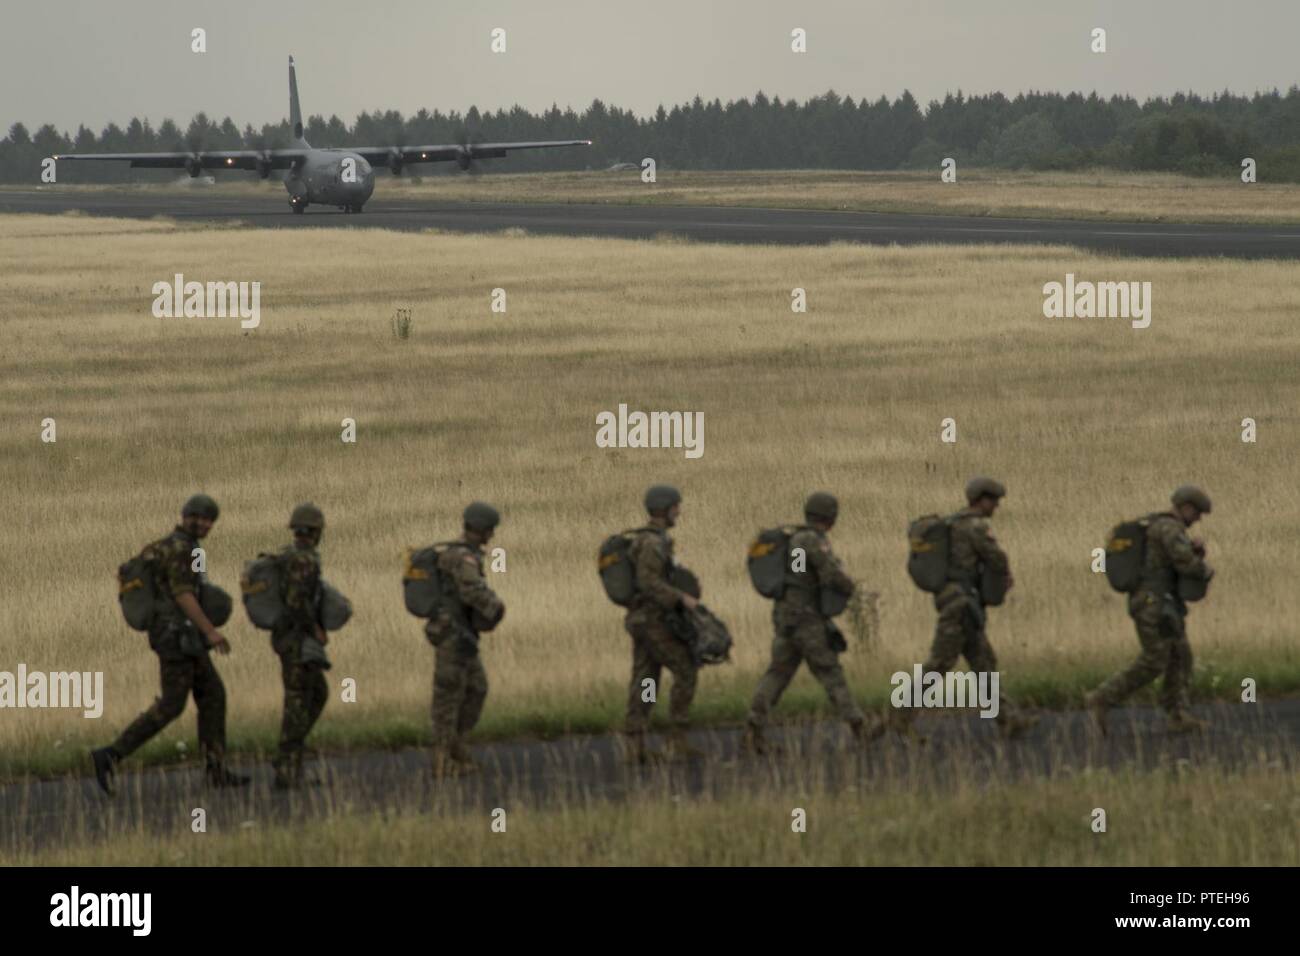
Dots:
pixel 466 159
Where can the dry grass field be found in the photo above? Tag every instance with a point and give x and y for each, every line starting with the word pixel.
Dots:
pixel 1086 421
pixel 1176 817
pixel 1087 194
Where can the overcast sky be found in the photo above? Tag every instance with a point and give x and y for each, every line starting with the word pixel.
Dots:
pixel 92 61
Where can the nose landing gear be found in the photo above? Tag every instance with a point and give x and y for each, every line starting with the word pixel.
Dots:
pixel 297 205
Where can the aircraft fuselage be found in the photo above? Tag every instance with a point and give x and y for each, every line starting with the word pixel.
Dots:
pixel 330 177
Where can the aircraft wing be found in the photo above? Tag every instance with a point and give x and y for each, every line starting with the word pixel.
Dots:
pixel 452 152
pixel 258 159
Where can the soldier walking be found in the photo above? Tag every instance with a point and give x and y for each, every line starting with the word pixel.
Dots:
pixel 654 645
pixel 182 636
pixel 804 632
pixel 1159 613
pixel 468 607
pixel 960 630
pixel 299 640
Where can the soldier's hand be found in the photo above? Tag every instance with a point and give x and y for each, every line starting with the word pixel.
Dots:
pixel 320 635
pixel 689 602
pixel 1198 547
pixel 1011 580
pixel 217 641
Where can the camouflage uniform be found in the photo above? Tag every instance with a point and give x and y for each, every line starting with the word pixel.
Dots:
pixel 960 628
pixel 459 681
pixel 305 688
pixel 1159 614
pixel 803 633
pixel 186 667
pixel 654 646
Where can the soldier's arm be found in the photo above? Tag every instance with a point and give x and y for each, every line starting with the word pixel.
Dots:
pixel 830 573
pixel 472 589
pixel 988 549
pixel 301 584
pixel 1182 555
pixel 652 574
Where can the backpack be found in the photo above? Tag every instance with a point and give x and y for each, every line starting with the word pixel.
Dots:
pixel 421 581
pixel 927 557
pixel 768 560
pixel 260 584
pixel 335 609
pixel 614 565
pixel 1126 554
pixel 136 592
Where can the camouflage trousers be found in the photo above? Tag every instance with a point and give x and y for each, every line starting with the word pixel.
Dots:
pixel 305 694
pixel 801 636
pixel 959 632
pixel 654 647
pixel 460 687
pixel 182 676
pixel 1165 650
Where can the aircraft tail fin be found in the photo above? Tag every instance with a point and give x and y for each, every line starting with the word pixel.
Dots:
pixel 295 113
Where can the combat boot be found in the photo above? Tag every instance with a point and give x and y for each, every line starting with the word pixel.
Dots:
pixel 1181 722
pixel 638 752
pixel 1013 728
pixel 905 727
pixel 679 747
pixel 756 743
pixel 219 776
pixel 464 761
pixel 1096 708
pixel 105 769
pixel 867 730
pixel 445 766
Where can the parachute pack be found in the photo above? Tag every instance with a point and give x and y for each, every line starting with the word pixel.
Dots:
pixel 1126 553
pixel 260 586
pixel 768 559
pixel 216 603
pixel 421 581
pixel 136 593
pixel 614 564
pixel 703 632
pixel 927 555
pixel 929 546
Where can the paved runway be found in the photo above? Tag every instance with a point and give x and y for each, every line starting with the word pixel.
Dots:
pixel 702 223
pixel 38 814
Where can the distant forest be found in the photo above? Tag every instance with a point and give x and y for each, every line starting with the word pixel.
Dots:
pixel 1183 133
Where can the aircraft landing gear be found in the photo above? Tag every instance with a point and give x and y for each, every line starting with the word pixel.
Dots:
pixel 353 207
pixel 297 205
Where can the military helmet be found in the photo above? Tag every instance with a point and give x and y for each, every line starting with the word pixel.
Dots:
pixel 821 504
pixel 204 506
pixel 480 516
pixel 1191 495
pixel 661 498
pixel 307 515
pixel 977 488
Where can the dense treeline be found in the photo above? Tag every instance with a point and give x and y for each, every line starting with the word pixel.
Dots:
pixel 1183 133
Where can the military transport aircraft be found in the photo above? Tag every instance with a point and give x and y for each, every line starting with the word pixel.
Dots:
pixel 330 177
